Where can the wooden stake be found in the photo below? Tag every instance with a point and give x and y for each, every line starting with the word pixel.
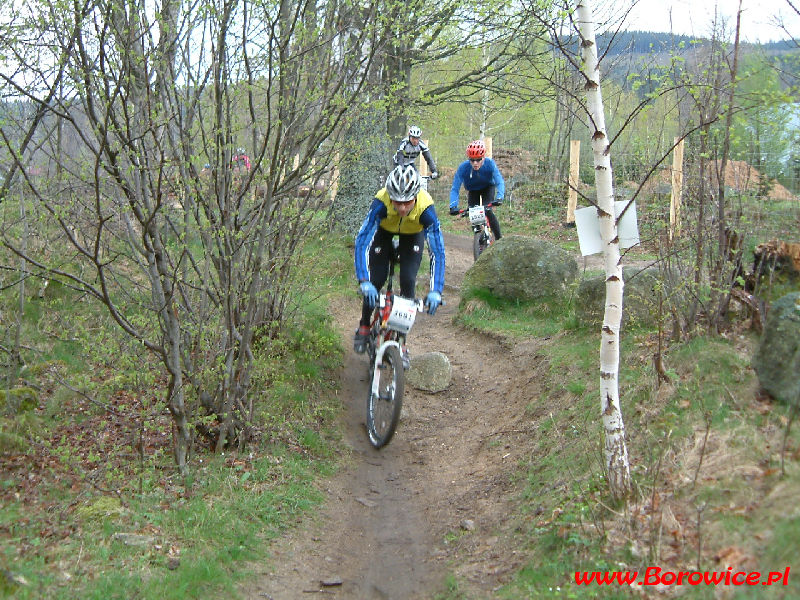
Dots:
pixel 574 179
pixel 677 191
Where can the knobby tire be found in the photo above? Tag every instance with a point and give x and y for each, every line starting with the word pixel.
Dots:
pixel 383 412
pixel 481 241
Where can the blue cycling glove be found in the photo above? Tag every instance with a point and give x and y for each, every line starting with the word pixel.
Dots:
pixel 433 300
pixel 370 293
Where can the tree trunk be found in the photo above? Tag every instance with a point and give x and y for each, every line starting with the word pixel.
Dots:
pixel 725 284
pixel 616 453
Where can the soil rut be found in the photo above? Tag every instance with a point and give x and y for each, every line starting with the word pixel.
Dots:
pixel 436 500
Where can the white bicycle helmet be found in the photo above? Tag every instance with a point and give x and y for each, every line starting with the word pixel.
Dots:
pixel 403 183
pixel 414 131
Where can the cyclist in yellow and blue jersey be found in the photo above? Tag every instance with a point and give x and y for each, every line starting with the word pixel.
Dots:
pixel 404 210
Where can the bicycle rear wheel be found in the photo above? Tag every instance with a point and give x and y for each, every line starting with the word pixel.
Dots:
pixel 383 409
pixel 481 241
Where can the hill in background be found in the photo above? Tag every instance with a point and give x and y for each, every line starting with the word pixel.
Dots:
pixel 625 52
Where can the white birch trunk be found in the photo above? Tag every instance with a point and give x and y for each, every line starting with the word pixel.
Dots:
pixel 616 453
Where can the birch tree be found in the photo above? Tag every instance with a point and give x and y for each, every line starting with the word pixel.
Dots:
pixel 616 453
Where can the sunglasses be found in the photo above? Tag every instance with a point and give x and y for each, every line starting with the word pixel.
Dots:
pixel 475 159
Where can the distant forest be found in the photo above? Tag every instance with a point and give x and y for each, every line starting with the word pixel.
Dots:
pixel 629 48
pixel 647 42
pixel 640 42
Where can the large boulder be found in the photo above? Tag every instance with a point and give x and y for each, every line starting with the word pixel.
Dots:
pixel 777 359
pixel 638 302
pixel 523 268
pixel 430 372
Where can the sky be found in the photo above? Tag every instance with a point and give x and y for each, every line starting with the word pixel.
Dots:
pixel 695 17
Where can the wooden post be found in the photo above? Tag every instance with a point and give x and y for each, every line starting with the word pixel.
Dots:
pixel 574 179
pixel 488 142
pixel 677 191
pixel 335 177
pixel 423 164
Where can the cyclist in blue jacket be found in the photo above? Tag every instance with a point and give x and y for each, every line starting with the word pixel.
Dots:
pixel 483 182
pixel 400 208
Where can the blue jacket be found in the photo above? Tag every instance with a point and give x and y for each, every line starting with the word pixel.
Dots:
pixel 378 214
pixel 487 175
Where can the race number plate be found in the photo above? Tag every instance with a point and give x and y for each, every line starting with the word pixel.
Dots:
pixel 477 214
pixel 404 311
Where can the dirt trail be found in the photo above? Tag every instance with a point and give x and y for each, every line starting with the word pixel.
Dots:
pixel 437 499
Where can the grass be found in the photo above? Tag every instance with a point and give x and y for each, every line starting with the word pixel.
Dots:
pixel 538 318
pixel 84 514
pixel 702 443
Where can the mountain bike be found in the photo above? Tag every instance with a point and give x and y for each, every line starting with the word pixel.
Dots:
pixel 482 232
pixel 391 321
pixel 423 182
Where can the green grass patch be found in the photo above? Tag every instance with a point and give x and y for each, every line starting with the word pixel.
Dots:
pixel 481 310
pixel 702 425
pixel 96 521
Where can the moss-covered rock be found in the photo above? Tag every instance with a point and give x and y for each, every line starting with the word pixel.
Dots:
pixel 639 303
pixel 18 400
pixel 777 359
pixel 100 509
pixel 523 268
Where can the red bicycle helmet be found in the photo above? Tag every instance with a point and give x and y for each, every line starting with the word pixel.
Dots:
pixel 476 149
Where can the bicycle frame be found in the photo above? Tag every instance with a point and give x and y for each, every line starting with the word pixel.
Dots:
pixel 391 321
pixel 388 327
pixel 482 231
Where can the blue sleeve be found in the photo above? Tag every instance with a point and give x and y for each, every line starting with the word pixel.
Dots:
pixel 499 182
pixel 433 234
pixel 458 178
pixel 364 238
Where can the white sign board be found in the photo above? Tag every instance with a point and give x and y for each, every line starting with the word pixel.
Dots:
pixel 588 226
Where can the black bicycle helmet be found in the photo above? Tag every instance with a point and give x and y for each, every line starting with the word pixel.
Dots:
pixel 403 183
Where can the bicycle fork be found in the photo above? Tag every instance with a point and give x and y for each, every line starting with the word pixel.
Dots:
pixel 378 363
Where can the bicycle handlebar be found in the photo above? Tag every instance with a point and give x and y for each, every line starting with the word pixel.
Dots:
pixel 419 302
pixel 465 211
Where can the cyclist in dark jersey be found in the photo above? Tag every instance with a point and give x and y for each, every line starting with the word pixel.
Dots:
pixel 400 208
pixel 411 147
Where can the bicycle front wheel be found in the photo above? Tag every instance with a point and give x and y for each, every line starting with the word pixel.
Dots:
pixel 481 241
pixel 383 408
